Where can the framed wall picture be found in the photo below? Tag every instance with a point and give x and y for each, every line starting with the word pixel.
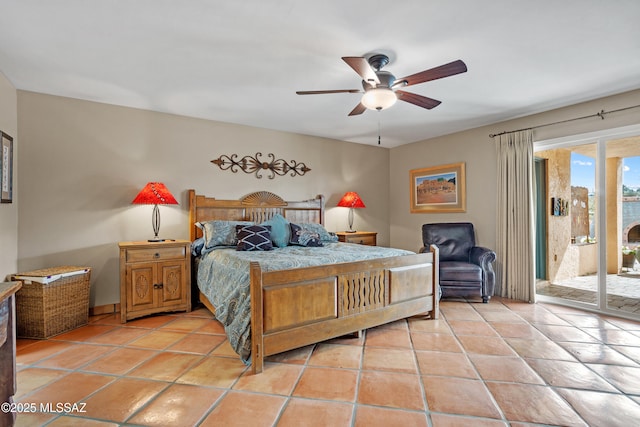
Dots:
pixel 438 189
pixel 6 169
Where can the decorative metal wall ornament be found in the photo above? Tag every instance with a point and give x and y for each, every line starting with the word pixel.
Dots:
pixel 253 164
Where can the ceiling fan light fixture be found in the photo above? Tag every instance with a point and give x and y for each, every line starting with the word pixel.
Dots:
pixel 379 98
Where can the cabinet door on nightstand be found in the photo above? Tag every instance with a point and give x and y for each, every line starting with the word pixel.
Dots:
pixel 174 290
pixel 140 281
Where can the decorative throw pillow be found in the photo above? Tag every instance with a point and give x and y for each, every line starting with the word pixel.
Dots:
pixel 280 232
pixel 323 234
pixel 302 236
pixel 254 238
pixel 220 232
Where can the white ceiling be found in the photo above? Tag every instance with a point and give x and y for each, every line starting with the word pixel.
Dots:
pixel 242 61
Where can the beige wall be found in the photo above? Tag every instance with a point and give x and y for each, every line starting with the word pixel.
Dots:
pixel 9 211
pixel 82 164
pixel 476 149
pixel 477 153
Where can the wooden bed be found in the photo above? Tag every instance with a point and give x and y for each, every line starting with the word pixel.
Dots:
pixel 347 297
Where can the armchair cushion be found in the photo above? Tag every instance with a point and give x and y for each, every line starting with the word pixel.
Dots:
pixel 456 271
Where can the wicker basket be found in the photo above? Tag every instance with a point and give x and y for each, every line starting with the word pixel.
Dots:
pixel 56 306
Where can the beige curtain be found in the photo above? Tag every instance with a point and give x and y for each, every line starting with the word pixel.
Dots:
pixel 515 240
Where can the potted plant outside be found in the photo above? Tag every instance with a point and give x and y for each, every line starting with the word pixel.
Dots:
pixel 628 257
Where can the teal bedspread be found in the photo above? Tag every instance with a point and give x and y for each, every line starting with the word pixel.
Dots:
pixel 223 276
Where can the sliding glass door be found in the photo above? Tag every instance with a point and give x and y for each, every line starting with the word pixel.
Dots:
pixel 622 186
pixel 591 214
pixel 570 237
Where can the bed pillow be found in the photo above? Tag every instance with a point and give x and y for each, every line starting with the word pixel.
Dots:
pixel 303 236
pixel 254 238
pixel 280 231
pixel 197 246
pixel 220 232
pixel 324 235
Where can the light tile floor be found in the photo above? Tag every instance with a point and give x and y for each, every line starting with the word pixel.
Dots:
pixel 505 363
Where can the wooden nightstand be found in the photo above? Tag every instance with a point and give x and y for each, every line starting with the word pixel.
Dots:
pixel 360 237
pixel 155 277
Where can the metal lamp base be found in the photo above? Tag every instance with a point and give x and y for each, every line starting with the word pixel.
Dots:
pixel 350 230
pixel 155 222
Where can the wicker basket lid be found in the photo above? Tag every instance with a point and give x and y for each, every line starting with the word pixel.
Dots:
pixel 52 271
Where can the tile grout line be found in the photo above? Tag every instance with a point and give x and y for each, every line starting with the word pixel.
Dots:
pixel 427 410
pixel 354 409
pixel 482 380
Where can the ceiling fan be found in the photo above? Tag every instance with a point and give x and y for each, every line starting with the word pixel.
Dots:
pixel 381 87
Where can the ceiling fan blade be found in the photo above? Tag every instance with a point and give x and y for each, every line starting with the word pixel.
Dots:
pixel 446 70
pixel 320 92
pixel 419 100
pixel 358 110
pixel 362 67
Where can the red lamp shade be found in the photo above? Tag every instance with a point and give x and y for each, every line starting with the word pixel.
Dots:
pixel 351 200
pixel 155 193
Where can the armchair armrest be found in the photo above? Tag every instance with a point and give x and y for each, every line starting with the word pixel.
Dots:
pixel 484 257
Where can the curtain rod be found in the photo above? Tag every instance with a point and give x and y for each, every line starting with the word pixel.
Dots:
pixel 600 114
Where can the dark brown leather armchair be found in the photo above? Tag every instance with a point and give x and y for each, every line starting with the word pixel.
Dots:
pixel 466 270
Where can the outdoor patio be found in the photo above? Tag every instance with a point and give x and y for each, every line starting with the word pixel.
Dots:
pixel 623 290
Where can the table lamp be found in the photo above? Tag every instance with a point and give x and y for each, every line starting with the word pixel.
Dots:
pixel 351 200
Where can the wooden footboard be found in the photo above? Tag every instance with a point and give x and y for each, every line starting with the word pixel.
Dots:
pixel 298 307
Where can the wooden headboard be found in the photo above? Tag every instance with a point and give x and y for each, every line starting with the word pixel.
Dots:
pixel 256 207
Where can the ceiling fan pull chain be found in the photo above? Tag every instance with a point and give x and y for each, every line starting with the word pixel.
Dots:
pixel 378 127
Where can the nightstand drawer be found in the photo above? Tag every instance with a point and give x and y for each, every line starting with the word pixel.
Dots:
pixel 155 254
pixel 362 240
pixel 358 237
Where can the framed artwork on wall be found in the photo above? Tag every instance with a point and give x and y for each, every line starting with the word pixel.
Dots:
pixel 438 189
pixel 6 168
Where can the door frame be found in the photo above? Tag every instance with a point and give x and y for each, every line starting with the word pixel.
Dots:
pixel 540 168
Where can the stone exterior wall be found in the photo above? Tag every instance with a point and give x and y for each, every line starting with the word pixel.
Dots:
pixel 562 260
pixel 630 220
